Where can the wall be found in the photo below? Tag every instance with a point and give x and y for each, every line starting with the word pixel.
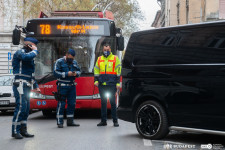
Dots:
pixel 10 15
pixel 195 14
pixel 212 10
pixel 180 12
pixel 222 9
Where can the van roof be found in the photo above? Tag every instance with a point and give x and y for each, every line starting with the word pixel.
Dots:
pixel 196 25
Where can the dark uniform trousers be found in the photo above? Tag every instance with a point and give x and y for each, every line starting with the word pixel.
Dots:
pixel 111 90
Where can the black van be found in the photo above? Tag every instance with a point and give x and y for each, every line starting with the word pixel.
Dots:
pixel 174 79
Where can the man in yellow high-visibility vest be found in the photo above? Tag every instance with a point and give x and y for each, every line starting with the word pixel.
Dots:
pixel 107 77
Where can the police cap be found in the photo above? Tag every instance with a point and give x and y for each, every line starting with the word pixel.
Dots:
pixel 71 52
pixel 31 39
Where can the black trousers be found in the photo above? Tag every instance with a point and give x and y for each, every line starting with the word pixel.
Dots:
pixel 108 92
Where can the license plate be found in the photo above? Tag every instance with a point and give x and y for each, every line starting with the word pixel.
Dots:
pixel 4 102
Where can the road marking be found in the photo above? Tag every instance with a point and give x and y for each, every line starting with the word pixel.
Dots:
pixel 147 142
pixel 169 142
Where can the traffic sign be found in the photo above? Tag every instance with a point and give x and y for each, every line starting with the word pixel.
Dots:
pixel 38 103
pixel 9 55
pixel 43 103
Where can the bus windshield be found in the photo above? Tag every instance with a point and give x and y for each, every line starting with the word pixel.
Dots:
pixel 87 48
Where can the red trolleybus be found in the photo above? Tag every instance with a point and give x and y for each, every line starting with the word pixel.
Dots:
pixel 84 34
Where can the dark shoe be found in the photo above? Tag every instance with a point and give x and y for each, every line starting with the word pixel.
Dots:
pixel 102 123
pixel 116 124
pixel 13 134
pixel 71 123
pixel 60 125
pixel 26 134
pixel 17 136
pixel 23 132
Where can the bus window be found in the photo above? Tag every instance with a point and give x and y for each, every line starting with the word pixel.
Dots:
pixel 88 49
pixel 43 62
pixel 101 42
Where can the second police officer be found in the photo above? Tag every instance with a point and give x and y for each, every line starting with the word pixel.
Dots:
pixel 66 69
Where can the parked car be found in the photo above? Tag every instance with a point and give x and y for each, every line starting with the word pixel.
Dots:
pixel 7 99
pixel 174 79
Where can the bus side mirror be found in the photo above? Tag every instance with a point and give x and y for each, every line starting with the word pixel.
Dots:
pixel 16 36
pixel 120 39
pixel 120 43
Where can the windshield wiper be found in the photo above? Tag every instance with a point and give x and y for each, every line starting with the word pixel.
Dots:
pixel 44 77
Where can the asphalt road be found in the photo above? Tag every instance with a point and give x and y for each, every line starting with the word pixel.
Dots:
pixel 90 137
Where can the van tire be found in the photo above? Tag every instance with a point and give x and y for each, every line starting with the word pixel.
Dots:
pixel 159 123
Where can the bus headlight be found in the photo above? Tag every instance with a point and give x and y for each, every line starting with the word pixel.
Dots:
pixel 35 95
pixel 96 96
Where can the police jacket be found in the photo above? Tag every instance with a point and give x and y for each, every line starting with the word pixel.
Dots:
pixel 107 70
pixel 23 65
pixel 61 69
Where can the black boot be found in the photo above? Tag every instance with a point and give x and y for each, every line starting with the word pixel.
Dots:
pixel 23 132
pixel 60 125
pixel 102 123
pixel 17 136
pixel 70 122
pixel 116 124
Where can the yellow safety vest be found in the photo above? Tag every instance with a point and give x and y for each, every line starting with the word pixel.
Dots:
pixel 110 67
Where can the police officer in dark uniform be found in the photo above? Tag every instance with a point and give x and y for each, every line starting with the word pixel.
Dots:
pixel 23 70
pixel 66 69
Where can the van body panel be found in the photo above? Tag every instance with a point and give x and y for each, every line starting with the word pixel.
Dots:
pixel 182 68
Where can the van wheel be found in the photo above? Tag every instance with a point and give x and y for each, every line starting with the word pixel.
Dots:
pixel 151 120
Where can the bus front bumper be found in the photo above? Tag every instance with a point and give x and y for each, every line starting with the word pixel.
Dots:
pixel 80 104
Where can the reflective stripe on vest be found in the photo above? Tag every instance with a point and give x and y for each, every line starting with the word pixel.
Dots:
pixel 113 69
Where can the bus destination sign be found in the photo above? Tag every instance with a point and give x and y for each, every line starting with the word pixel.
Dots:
pixel 59 29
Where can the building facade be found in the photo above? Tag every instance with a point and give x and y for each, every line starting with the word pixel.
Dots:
pixel 159 20
pixel 180 12
pixel 10 15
